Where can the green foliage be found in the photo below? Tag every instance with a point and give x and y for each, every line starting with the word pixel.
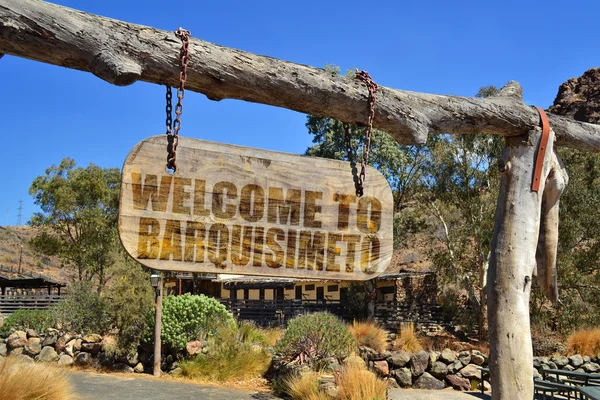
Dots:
pixel 191 317
pixel 235 353
pixel 38 320
pixel 314 338
pixel 79 208
pixel 83 311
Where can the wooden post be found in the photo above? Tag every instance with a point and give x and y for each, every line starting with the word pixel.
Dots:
pixel 158 327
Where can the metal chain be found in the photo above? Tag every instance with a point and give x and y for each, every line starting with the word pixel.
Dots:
pixel 360 179
pixel 173 127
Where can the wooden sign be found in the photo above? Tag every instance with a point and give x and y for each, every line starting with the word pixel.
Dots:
pixel 237 210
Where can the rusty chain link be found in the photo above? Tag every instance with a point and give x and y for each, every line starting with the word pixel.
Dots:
pixel 173 127
pixel 360 179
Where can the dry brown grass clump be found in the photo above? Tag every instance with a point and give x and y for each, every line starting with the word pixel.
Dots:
pixel 584 342
pixel 28 381
pixel 407 339
pixel 356 383
pixel 369 334
pixel 272 335
pixel 304 387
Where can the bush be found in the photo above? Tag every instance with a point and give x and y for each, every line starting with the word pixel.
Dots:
pixel 83 311
pixel 356 383
pixel 234 354
pixel 370 335
pixel 38 320
pixel 28 381
pixel 191 317
pixel 407 339
pixel 304 387
pixel 314 338
pixel 584 342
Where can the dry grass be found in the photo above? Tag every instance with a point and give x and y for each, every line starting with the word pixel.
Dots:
pixel 407 339
pixel 356 383
pixel 272 335
pixel 28 381
pixel 584 342
pixel 354 361
pixel 304 387
pixel 369 334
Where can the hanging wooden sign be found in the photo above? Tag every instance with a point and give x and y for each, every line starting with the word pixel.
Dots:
pixel 238 210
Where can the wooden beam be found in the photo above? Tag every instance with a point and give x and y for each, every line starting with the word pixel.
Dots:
pixel 122 53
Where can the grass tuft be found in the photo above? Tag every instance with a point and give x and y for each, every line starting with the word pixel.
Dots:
pixel 356 383
pixel 407 339
pixel 369 334
pixel 304 387
pixel 28 381
pixel 584 342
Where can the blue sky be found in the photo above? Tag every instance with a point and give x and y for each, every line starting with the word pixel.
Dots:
pixel 435 46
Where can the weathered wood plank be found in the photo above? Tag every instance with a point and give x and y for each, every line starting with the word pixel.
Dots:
pixel 231 209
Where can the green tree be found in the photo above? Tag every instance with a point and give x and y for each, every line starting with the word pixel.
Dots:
pixel 79 208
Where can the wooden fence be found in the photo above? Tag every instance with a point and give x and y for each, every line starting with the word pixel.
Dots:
pixel 11 303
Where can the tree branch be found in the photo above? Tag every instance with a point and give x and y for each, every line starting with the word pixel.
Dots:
pixel 122 53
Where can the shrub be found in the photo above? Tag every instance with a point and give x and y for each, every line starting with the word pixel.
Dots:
pixel 191 317
pixel 234 354
pixel 584 342
pixel 356 383
pixel 83 311
pixel 407 339
pixel 38 320
pixel 304 387
pixel 28 381
pixel 314 338
pixel 369 334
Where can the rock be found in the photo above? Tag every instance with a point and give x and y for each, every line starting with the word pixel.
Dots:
pixel 486 386
pixel 31 333
pixel 83 359
pixel 173 365
pixel 175 372
pixel 3 349
pixel 399 359
pixel 106 359
pixel 48 354
pixel 537 363
pixel 568 368
pixel 576 360
pixel 381 367
pixel 93 338
pixel 551 365
pixel 428 382
pixel 536 374
pixel 16 339
pixel 560 361
pixel 330 388
pixel 68 350
pixel 433 357
pixel 477 359
pixel 33 346
pixel 50 339
pixel 448 356
pixel 458 383
pixel 122 367
pixel 62 342
pixel 403 376
pixel 139 368
pixel 471 371
pixel 77 345
pixel 455 367
pixel 419 363
pixel 391 383
pixel 586 359
pixel 93 348
pixel 65 361
pixel 193 348
pixel 439 370
pixel 130 359
pixel 464 357
pixel 590 367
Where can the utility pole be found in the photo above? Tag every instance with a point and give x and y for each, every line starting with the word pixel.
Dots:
pixel 20 215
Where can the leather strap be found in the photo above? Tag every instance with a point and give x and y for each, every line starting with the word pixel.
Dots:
pixel 539 161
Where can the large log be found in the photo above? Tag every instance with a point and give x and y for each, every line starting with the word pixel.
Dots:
pixel 122 53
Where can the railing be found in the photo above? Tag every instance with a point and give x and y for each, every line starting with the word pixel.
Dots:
pixel 11 303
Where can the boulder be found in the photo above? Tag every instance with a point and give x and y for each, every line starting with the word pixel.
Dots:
pixel 16 339
pixel 77 345
pixel 93 338
pixel 3 349
pixel 433 356
pixel 391 383
pixel 62 342
pixel 51 338
pixel 139 368
pixel 33 346
pixel 439 370
pixel 560 361
pixel 464 357
pixel 106 359
pixel 68 350
pixel 590 367
pixel 399 359
pixel 65 361
pixel 471 371
pixel 455 367
pixel 175 372
pixel 552 365
pixel 568 368
pixel 458 382
pixel 576 360
pixel 448 356
pixel 419 363
pixel 536 374
pixel 83 359
pixel 586 359
pixel 477 359
pixel 131 359
pixel 381 367
pixel 486 386
pixel 193 348
pixel 48 354
pixel 122 367
pixel 93 348
pixel 428 382
pixel 31 333
pixel 403 376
